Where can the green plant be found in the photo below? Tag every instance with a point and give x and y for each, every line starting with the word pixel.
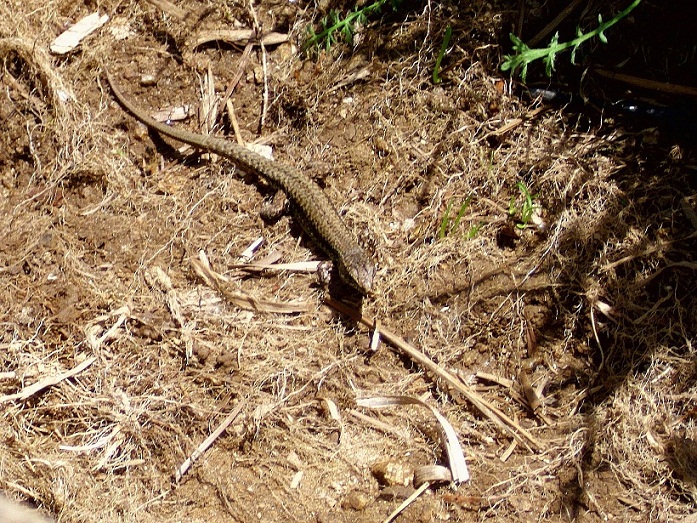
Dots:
pixel 334 24
pixel 524 55
pixel 444 47
pixel 525 212
pixel 449 225
pixel 473 231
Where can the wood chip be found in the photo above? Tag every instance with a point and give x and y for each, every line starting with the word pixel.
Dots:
pixel 70 39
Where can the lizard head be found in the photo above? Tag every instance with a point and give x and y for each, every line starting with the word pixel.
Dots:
pixel 358 270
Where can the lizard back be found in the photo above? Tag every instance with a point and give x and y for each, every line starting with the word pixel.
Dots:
pixel 311 205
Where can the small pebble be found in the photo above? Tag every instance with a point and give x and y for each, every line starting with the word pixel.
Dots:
pixel 148 80
pixel 393 473
pixel 355 500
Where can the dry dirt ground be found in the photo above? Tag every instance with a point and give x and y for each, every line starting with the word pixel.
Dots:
pixel 578 323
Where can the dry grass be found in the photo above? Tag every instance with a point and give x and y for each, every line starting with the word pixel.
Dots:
pixel 595 312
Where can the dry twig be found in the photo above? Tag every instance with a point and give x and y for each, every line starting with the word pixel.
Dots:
pixel 495 415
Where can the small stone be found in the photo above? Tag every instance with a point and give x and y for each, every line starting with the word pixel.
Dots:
pixel 201 352
pixel 148 80
pixel 393 473
pixel 355 500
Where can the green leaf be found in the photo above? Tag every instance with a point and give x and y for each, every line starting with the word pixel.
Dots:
pixel 443 48
pixel 573 54
pixel 549 64
pixel 445 221
pixel 335 23
pixel 524 55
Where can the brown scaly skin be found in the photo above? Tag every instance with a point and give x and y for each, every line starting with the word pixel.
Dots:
pixel 314 210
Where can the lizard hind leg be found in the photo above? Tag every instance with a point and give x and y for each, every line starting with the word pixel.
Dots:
pixel 274 207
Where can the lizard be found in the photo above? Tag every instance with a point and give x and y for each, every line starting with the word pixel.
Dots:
pixel 307 201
